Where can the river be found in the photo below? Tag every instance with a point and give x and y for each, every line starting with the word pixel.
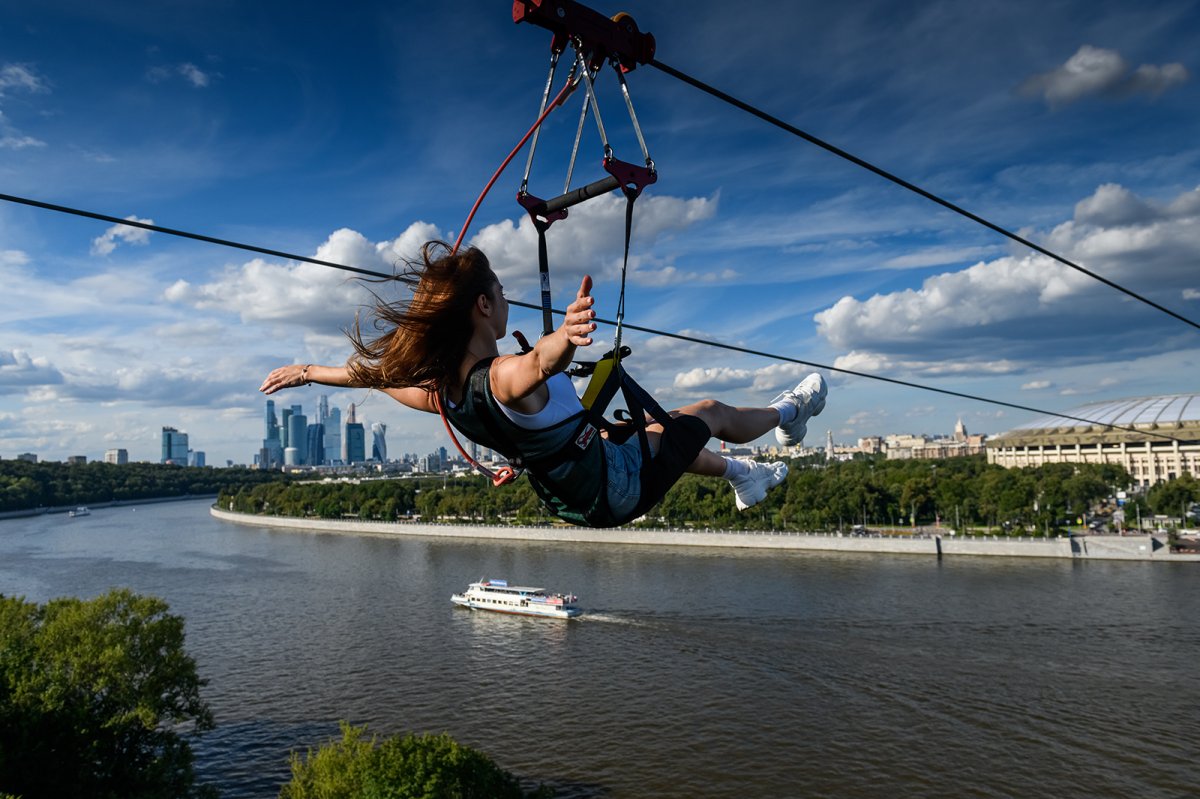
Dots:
pixel 694 673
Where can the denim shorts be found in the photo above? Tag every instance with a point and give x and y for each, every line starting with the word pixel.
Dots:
pixel 624 475
pixel 681 442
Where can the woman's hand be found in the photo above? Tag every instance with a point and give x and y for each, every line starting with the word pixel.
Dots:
pixel 290 376
pixel 578 323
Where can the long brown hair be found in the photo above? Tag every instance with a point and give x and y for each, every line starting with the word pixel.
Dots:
pixel 424 340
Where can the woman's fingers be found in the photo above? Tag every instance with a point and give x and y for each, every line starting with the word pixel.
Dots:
pixel 283 377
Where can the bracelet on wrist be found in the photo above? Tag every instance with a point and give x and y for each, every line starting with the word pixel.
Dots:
pixel 304 375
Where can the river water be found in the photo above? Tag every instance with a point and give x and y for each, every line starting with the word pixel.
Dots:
pixel 694 673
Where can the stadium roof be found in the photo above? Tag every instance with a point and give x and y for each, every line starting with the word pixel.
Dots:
pixel 1169 414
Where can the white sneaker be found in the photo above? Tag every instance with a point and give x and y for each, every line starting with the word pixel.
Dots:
pixel 752 488
pixel 809 398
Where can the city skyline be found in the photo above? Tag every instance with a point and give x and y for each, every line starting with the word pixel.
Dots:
pixel 1077 132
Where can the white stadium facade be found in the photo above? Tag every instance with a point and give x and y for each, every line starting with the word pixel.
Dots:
pixel 1154 438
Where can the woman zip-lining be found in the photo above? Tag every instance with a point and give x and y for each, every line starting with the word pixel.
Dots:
pixel 441 346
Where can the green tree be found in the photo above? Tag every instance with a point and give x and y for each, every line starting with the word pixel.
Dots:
pixel 408 767
pixel 92 697
pixel 1174 497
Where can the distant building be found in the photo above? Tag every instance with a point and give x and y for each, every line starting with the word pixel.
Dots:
pixel 333 436
pixel 118 456
pixel 354 444
pixel 379 442
pixel 284 415
pixel 174 446
pixel 195 458
pixel 297 437
pixel 903 447
pixel 316 445
pixel 1154 438
pixel 76 460
pixel 28 457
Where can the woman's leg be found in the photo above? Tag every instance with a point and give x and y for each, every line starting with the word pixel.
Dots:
pixel 735 425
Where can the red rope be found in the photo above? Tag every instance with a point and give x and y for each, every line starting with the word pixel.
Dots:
pixel 557 101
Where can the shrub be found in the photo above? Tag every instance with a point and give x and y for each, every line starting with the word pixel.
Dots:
pixel 408 767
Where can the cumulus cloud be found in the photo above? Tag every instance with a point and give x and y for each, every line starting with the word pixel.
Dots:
pixel 1191 294
pixel 878 363
pixel 1036 385
pixel 1027 306
pixel 1096 71
pixel 304 294
pixel 106 242
pixel 147 383
pixel 591 242
pixel 19 371
pixel 710 381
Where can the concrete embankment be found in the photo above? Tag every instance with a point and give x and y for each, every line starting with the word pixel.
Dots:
pixel 1140 547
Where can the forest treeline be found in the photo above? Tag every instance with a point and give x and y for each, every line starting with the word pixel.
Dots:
pixel 25 486
pixel 967 492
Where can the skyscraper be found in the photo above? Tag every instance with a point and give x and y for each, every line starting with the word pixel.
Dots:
pixel 355 442
pixel 298 436
pixel 333 436
pixel 174 446
pixel 378 442
pixel 322 409
pixel 117 456
pixel 272 426
pixel 286 414
pixel 316 444
pixel 270 456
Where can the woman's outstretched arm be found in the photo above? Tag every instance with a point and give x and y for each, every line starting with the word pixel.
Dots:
pixel 301 374
pixel 297 374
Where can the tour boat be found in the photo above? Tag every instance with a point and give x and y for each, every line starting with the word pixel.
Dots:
pixel 80 511
pixel 501 597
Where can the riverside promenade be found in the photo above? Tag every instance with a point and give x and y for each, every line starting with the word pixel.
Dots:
pixel 1091 547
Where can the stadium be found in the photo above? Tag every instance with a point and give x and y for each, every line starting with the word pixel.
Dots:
pixel 1154 438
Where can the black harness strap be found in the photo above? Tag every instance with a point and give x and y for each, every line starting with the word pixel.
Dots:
pixel 544 275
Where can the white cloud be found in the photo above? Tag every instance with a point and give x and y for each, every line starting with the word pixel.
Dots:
pixel 1036 385
pixel 303 294
pixel 1094 70
pixel 193 75
pixel 188 71
pixel 935 256
pixel 12 142
pixel 877 363
pixel 23 77
pixel 591 240
pixel 711 381
pixel 13 139
pixel 105 243
pixel 997 313
pixel 19 371
pixel 1191 294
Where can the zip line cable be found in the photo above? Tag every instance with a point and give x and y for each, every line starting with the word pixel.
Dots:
pixel 808 137
pixel 183 234
pixel 677 336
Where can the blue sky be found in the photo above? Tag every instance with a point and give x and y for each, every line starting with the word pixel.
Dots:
pixel 355 133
